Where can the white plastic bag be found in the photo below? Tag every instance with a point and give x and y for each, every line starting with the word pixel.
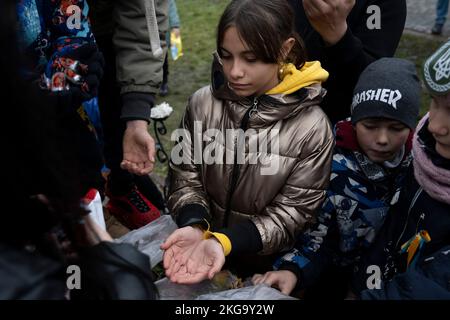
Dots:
pixel 149 238
pixel 93 204
pixel 259 292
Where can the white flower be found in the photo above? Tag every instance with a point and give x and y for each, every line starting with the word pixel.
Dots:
pixel 161 111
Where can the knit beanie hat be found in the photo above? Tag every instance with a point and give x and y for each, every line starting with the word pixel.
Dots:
pixel 388 88
pixel 436 71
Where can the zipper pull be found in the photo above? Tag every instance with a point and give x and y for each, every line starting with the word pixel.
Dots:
pixel 254 109
pixel 421 218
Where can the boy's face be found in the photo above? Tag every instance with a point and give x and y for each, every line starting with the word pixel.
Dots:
pixel 439 124
pixel 381 139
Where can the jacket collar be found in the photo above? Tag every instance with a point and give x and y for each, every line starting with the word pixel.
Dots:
pixel 270 108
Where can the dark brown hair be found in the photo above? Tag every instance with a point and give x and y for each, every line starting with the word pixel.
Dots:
pixel 264 25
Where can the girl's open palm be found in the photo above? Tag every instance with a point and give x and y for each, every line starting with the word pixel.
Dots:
pixel 204 262
pixel 178 247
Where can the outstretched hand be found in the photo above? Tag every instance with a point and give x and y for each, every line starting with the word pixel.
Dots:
pixel 178 248
pixel 329 17
pixel 205 261
pixel 138 148
pixel 189 259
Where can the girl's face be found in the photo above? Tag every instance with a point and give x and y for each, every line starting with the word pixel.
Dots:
pixel 246 74
pixel 439 124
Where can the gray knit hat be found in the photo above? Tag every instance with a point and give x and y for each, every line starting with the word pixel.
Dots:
pixel 388 88
pixel 436 71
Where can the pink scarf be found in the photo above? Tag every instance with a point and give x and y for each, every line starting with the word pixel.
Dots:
pixel 434 180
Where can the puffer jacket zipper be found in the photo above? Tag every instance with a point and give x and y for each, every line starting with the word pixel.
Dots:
pixel 251 112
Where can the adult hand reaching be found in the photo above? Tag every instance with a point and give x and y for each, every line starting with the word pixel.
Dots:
pixel 178 248
pixel 205 261
pixel 138 148
pixel 329 17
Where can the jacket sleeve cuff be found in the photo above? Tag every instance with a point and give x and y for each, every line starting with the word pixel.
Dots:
pixel 137 106
pixel 346 49
pixel 307 271
pixel 295 269
pixel 244 238
pixel 193 214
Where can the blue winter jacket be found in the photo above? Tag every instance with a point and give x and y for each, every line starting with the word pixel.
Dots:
pixel 358 199
pixel 410 253
pixel 428 280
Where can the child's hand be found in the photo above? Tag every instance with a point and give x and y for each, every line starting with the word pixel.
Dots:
pixel 178 248
pixel 283 280
pixel 205 261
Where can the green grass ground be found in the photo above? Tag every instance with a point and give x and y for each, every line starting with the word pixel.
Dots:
pixel 417 48
pixel 199 19
pixel 189 73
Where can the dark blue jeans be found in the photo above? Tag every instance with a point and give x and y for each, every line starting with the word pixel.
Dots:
pixel 441 11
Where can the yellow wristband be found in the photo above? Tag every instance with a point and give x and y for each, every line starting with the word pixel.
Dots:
pixel 223 240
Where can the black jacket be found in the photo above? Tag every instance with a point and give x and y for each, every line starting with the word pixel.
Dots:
pixel 357 49
pixel 108 271
pixel 415 211
pixel 429 280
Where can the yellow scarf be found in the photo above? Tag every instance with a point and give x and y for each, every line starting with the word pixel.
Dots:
pixel 294 79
